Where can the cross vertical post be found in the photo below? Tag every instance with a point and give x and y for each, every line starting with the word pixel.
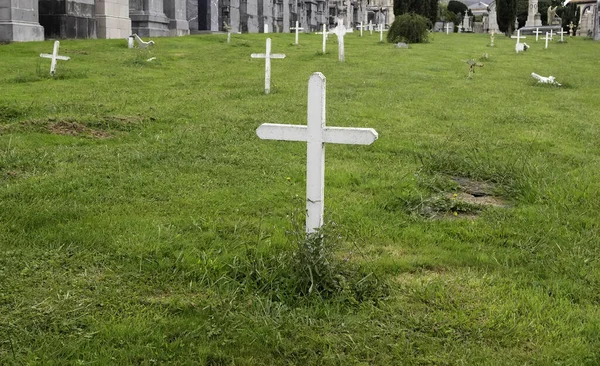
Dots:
pixel 324 38
pixel 380 32
pixel 447 28
pixel 371 26
pixel 316 134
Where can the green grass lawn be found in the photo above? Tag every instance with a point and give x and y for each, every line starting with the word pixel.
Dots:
pixel 142 220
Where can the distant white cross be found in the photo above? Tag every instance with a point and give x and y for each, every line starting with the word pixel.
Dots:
pixel 316 134
pixel 371 27
pixel 551 34
pixel 297 28
pixel 340 32
pixel 54 56
pixel 547 38
pixel 267 56
pixel 492 38
pixel 228 29
pixel 562 33
pixel 537 33
pixel 447 28
pixel 361 27
pixel 325 34
pixel 381 32
pixel 518 37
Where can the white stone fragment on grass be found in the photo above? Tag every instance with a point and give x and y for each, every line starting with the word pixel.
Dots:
pixel 545 80
pixel 54 56
pixel 141 43
pixel 267 56
pixel 316 134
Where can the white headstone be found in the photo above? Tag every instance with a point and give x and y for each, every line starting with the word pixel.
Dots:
pixel 371 27
pixel 297 28
pixel 130 42
pixel 267 56
pixel 266 30
pixel 324 33
pixel 54 56
pixel 340 32
pixel 316 134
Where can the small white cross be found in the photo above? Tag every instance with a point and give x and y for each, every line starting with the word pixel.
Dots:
pixel 267 56
pixel 316 134
pixel 361 27
pixel 381 32
pixel 54 56
pixel 371 27
pixel 551 34
pixel 547 38
pixel 447 28
pixel 297 28
pixel 562 33
pixel 340 32
pixel 325 34
pixel 537 33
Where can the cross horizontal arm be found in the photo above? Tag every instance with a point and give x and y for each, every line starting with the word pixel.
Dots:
pixel 350 136
pixel 262 55
pixel 46 55
pixel 276 131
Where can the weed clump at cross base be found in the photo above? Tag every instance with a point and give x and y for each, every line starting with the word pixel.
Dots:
pixel 311 268
pixel 410 28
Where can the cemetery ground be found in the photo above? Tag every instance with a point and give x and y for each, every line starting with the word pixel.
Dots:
pixel 142 220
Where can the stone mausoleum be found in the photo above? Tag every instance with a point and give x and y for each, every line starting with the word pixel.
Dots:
pixel 36 20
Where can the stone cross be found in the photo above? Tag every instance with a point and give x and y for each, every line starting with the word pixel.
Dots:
pixel 325 34
pixel 492 38
pixel 371 26
pixel 340 32
pixel 266 28
pixel 447 28
pixel 54 56
pixel 316 134
pixel 547 38
pixel 267 56
pixel 562 33
pixel 571 26
pixel 228 29
pixel 537 33
pixel 296 28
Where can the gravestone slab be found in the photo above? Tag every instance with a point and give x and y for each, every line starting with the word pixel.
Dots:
pixel 23 28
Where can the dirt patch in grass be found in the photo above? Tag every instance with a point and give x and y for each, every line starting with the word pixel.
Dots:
pixel 78 52
pixel 75 129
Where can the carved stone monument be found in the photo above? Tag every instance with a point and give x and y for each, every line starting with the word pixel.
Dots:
pixel 533 16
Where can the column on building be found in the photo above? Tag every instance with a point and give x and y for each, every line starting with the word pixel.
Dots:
pixel 112 17
pixel 148 18
pixel 176 11
pixel 68 18
pixel 19 21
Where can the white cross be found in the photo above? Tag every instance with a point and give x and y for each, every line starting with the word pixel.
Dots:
pixel 316 134
pixel 381 32
pixel 371 27
pixel 267 56
pixel 228 29
pixel 361 26
pixel 518 37
pixel 266 28
pixel 447 28
pixel 340 32
pixel 537 33
pixel 551 34
pixel 296 28
pixel 325 34
pixel 547 38
pixel 54 56
pixel 562 33
pixel 492 33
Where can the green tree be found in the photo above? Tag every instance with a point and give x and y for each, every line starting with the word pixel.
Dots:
pixel 506 13
pixel 457 7
pixel 426 8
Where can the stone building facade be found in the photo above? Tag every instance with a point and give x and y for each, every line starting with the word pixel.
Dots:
pixel 35 20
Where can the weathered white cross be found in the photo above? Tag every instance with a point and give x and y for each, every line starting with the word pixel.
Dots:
pixel 227 27
pixel 54 56
pixel 551 34
pixel 537 33
pixel 381 32
pixel 371 26
pixel 571 32
pixel 316 134
pixel 547 38
pixel 518 37
pixel 361 27
pixel 325 34
pixel 296 28
pixel 562 33
pixel 447 28
pixel 267 56
pixel 340 32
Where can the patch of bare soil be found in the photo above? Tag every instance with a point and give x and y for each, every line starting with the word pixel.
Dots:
pixel 75 129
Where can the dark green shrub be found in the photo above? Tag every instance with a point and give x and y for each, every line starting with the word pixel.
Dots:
pixel 410 28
